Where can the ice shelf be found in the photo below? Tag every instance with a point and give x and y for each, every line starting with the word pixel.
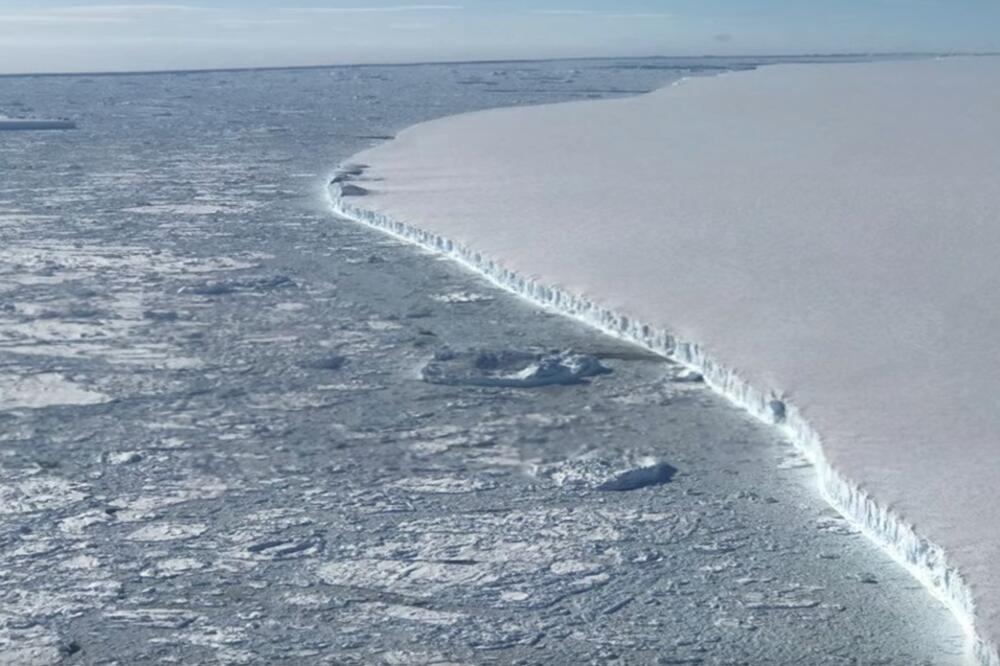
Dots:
pixel 820 241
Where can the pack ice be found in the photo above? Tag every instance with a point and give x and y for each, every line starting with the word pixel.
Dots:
pixel 820 241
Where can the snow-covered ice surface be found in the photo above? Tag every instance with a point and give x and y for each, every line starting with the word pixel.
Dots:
pixel 819 240
pixel 216 445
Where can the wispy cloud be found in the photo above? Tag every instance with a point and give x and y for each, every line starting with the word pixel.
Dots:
pixel 114 14
pixel 42 19
pixel 94 14
pixel 242 22
pixel 101 9
pixel 566 12
pixel 393 9
pixel 598 13
pixel 120 10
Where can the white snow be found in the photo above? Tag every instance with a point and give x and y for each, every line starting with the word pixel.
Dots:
pixel 819 241
pixel 45 389
pixel 167 532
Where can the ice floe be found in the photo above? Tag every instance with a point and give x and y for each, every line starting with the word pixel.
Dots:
pixel 45 389
pixel 510 368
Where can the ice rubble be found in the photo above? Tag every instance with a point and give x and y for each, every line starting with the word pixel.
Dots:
pixel 510 369
pixel 45 389
pixel 598 472
pixel 829 230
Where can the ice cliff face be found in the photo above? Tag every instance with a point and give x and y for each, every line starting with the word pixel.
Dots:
pixel 925 560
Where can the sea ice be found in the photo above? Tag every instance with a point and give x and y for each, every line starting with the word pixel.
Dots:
pixel 510 369
pixel 45 389
pixel 597 472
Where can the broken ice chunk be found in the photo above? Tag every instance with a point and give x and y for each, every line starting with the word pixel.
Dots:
pixel 641 477
pixel 511 369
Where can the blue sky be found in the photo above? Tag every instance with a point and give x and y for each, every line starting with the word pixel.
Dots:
pixel 101 35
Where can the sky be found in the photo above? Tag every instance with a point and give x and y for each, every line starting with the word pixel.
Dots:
pixel 102 35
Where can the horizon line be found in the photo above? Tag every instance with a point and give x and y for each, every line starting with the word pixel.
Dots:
pixel 422 63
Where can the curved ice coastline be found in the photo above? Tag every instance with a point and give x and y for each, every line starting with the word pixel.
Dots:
pixel 925 560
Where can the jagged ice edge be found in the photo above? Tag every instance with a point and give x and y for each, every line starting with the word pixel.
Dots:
pixel 925 560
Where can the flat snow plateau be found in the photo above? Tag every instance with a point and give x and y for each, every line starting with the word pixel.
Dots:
pixel 826 235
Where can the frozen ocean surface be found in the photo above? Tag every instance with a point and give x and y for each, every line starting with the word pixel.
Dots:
pixel 235 429
pixel 819 240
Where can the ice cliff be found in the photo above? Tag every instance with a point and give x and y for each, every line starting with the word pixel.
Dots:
pixel 818 241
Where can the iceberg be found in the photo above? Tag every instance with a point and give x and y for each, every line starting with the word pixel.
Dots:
pixel 819 242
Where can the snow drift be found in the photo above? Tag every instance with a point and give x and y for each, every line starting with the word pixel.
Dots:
pixel 819 241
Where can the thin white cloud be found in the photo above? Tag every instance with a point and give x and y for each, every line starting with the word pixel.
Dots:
pixel 565 12
pixel 108 10
pixel 42 19
pixel 394 9
pixel 598 13
pixel 93 14
pixel 249 21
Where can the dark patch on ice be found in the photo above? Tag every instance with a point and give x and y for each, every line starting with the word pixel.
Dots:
pixel 348 172
pixel 642 477
pixel 72 312
pixel 160 315
pixel 352 191
pixel 283 548
pixel 9 124
pixel 628 353
pixel 689 377
pixel 333 362
pixel 223 287
pixel 510 368
pixel 352 169
pixel 419 313
pixel 267 545
pixel 778 411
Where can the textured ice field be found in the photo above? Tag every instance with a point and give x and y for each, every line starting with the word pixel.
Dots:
pixel 237 429
pixel 821 240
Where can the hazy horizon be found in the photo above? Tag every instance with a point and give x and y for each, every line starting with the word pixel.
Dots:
pixel 419 63
pixel 69 36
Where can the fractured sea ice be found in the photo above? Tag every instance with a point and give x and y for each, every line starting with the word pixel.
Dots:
pixel 596 472
pixel 47 389
pixel 510 368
